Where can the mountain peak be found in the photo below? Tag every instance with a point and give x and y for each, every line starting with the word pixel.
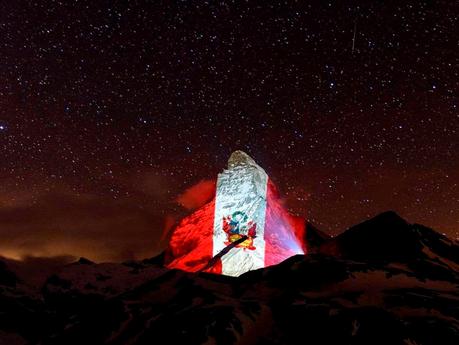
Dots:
pixel 386 236
pixel 388 217
pixel 388 223
pixel 245 226
pixel 84 261
pixel 240 158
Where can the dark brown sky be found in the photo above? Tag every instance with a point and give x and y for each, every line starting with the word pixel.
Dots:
pixel 108 114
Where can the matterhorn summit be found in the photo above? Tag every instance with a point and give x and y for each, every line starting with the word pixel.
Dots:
pixel 240 208
pixel 243 228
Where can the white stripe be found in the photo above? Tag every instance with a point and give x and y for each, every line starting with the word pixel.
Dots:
pixel 241 188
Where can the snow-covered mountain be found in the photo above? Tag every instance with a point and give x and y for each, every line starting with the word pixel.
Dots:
pixel 384 281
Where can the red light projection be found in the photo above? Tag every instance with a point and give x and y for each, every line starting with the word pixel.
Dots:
pixel 191 244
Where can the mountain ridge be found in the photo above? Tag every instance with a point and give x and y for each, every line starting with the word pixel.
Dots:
pixel 322 297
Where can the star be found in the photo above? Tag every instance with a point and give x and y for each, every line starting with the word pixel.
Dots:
pixel 140 101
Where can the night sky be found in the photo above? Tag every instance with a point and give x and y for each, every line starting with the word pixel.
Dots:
pixel 109 111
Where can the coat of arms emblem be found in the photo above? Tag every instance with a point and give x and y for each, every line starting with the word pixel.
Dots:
pixel 238 225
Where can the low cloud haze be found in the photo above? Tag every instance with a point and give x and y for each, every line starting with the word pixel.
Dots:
pixel 49 221
pixel 197 195
pixel 55 221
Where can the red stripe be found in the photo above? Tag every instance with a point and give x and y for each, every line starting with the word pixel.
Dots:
pixel 191 244
pixel 283 233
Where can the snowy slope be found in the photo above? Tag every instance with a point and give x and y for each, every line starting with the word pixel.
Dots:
pixel 355 296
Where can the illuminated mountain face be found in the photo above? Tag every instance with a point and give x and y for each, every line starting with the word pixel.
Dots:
pixel 243 228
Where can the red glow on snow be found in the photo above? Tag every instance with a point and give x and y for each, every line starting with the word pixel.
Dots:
pixel 190 247
pixel 284 233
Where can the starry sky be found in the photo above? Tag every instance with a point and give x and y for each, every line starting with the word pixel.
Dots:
pixel 115 117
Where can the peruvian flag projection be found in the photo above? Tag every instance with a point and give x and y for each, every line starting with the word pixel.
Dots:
pixel 240 208
pixel 245 227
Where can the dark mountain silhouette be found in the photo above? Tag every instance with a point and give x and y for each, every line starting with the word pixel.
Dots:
pixel 7 278
pixel 315 237
pixel 383 281
pixel 389 237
